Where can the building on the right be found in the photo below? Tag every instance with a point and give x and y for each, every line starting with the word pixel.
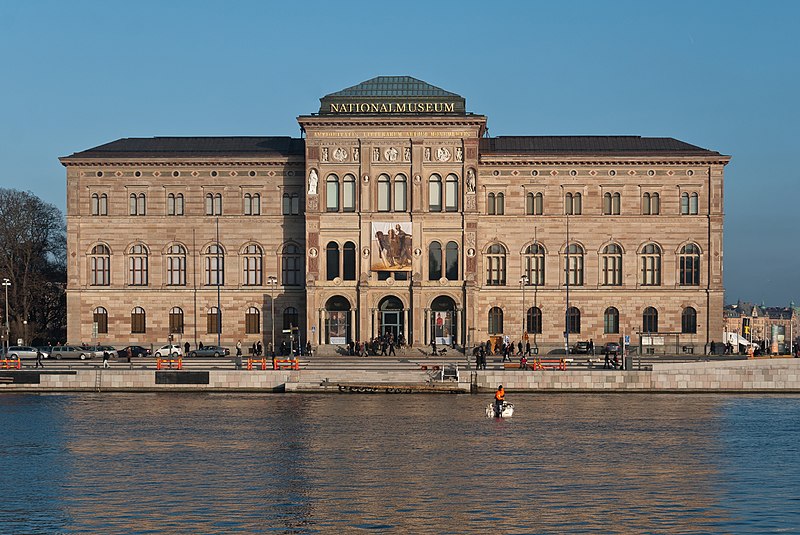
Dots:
pixel 772 329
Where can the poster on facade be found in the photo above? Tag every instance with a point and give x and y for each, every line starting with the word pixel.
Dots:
pixel 337 327
pixel 443 328
pixel 391 247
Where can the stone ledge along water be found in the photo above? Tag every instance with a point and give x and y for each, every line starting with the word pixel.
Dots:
pixel 776 375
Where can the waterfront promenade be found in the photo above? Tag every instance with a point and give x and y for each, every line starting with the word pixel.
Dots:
pixel 407 373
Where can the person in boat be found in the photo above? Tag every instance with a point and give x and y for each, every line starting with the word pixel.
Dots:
pixel 499 398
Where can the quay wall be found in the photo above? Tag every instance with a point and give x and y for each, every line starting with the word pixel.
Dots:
pixel 745 376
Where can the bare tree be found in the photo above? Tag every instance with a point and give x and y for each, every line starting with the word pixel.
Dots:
pixel 33 258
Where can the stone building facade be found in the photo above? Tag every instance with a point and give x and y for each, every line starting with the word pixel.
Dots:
pixel 394 213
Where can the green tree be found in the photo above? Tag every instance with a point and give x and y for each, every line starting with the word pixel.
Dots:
pixel 33 258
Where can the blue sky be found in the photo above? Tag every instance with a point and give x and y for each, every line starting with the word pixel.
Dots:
pixel 721 75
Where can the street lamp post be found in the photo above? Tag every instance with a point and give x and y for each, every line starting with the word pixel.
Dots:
pixel 523 281
pixel 6 283
pixel 272 281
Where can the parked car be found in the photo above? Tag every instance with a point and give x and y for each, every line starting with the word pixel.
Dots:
pixel 71 352
pixel 169 351
pixel 581 348
pixel 23 352
pixel 210 351
pixel 612 348
pixel 136 351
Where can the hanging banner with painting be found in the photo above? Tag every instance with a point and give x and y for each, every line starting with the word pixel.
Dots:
pixel 391 246
pixel 442 328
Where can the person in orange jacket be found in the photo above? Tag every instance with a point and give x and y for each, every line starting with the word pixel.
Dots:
pixel 499 398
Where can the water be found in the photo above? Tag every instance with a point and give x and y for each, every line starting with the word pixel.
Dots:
pixel 166 463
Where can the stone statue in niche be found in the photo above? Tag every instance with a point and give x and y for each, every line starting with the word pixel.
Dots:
pixel 356 154
pixel 324 154
pixel 376 154
pixel 470 180
pixel 391 154
pixel 312 182
pixel 427 154
pixel 407 154
pixel 459 154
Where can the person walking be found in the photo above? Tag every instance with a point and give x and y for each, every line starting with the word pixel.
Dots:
pixel 433 347
pixel 105 359
pixel 239 348
pixel 186 348
pixel 39 356
pixel 391 345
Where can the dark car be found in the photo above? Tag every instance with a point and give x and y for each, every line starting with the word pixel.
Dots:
pixel 612 348
pixel 210 351
pixel 136 351
pixel 581 348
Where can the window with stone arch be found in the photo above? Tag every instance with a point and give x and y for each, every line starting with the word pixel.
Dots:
pixel 689 321
pixel 573 320
pixel 651 265
pixel 213 204
pixel 689 265
pixel 611 321
pixel 291 265
pixel 138 204
pixel 495 265
pixel 451 193
pixel 176 265
pixel 349 261
pixel 332 261
pixel 252 204
pixel 451 254
pixel 651 204
pixel 650 320
pixel 137 265
pixel 533 321
pixel 384 193
pixel 291 204
pixel 214 264
pixel 349 193
pixel 573 204
pixel 400 193
pixel 495 204
pixel 332 193
pixel 690 203
pixel 100 265
pixel 573 265
pixel 138 321
pixel 435 193
pixel 100 317
pixel 252 321
pixel 495 321
pixel 252 262
pixel 611 265
pixel 611 203
pixel 534 203
pixel 214 321
pixel 175 204
pixel 533 264
pixel 176 323
pixel 99 204
pixel 434 261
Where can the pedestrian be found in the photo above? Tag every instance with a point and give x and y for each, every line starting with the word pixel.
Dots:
pixel 200 346
pixel 39 356
pixel 591 346
pixel 186 348
pixel 391 345
pixel 239 349
pixel 308 348
pixel 523 363
pixel 105 359
pixel 519 347
pixel 433 347
pixel 527 349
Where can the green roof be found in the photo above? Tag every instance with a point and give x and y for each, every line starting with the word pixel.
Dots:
pixel 393 86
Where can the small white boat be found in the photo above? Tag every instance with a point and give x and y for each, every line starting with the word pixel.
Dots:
pixel 508 410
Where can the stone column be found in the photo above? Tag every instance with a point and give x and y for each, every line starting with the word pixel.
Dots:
pixel 459 331
pixel 374 322
pixel 353 331
pixel 321 326
pixel 405 324
pixel 425 340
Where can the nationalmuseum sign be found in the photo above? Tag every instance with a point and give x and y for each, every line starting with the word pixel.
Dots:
pixel 391 107
pixel 387 95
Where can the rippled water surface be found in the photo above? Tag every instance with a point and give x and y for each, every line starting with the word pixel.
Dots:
pixel 185 463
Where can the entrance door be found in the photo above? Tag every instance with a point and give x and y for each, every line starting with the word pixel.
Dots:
pixel 443 321
pixel 391 322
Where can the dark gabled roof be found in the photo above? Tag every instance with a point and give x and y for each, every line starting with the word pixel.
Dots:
pixel 196 147
pixel 393 86
pixel 622 145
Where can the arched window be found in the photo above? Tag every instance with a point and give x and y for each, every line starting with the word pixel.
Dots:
pixel 176 265
pixel 574 265
pixel 291 318
pixel 286 204
pixel 689 261
pixel 349 261
pixel 500 203
pixel 435 261
pixel 292 266
pixel 491 204
pixel 213 204
pixel 332 260
pixel 694 204
pixel 451 261
pixel 435 193
pixel 650 204
pixel 138 204
pixel 332 193
pixel 534 204
pixel 138 321
pixel 650 320
pixel 651 265
pixel 251 265
pixel 495 321
pixel 349 194
pixel 214 265
pixel 384 193
pixel 175 204
pixel 100 317
pixel 533 264
pixel 573 204
pixel 684 203
pixel 689 321
pixel 496 265
pixel 533 320
pixel 176 320
pixel 606 204
pixel 573 320
pixel 103 208
pixel 252 204
pixel 95 204
pixel 137 265
pixel 171 204
pixel 611 321
pixel 400 193
pixel 213 321
pixel 100 265
pixel 616 201
pixel 252 321
pixel 611 262
pixel 611 203
pixel 451 193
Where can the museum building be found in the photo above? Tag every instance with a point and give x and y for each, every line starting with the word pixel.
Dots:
pixel 396 212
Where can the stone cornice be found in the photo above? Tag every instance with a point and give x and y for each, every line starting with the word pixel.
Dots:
pixel 390 121
pixel 510 160
pixel 178 162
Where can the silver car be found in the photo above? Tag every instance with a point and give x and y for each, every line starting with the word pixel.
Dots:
pixel 23 352
pixel 71 352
